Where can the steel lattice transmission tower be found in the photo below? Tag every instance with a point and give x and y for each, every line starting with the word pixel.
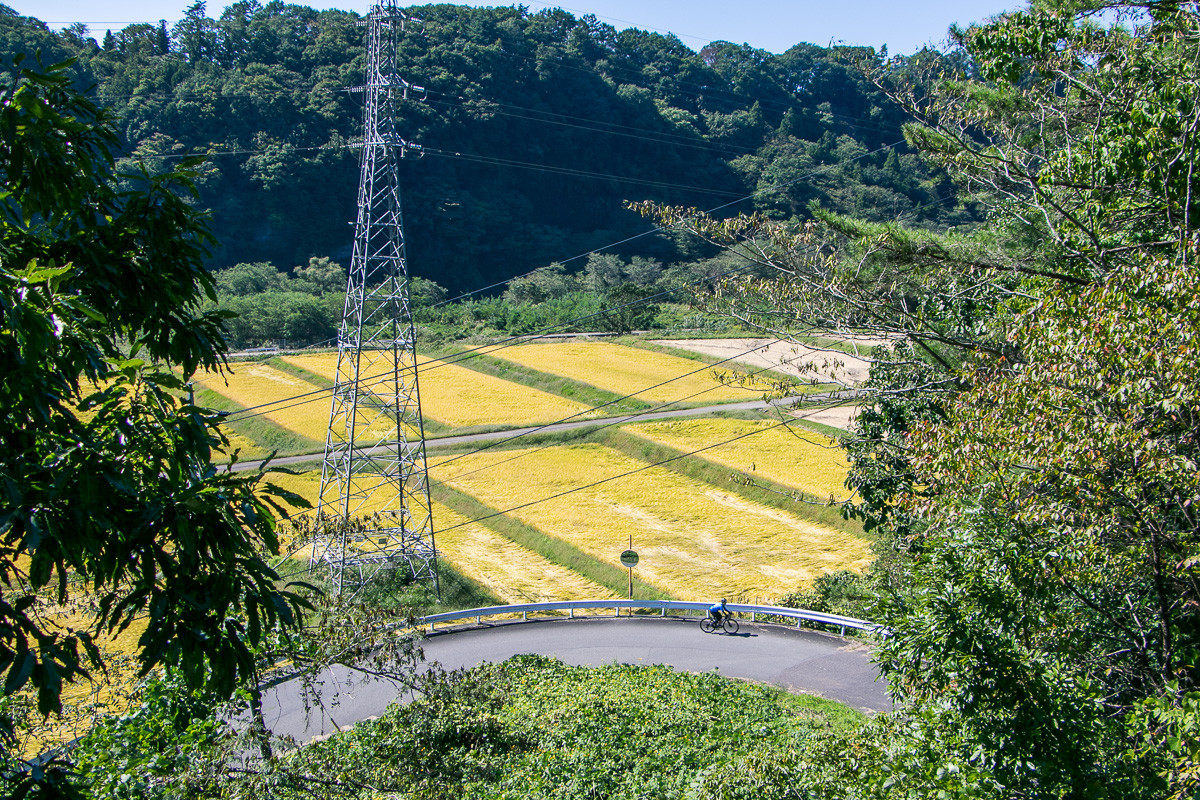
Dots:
pixel 374 508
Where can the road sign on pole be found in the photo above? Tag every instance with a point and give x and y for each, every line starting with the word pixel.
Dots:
pixel 629 560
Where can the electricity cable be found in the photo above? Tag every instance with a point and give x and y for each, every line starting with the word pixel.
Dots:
pixel 487 160
pixel 631 74
pixel 246 413
pixel 660 228
pixel 612 478
pixel 624 420
pixel 546 168
pixel 484 349
pixel 565 492
pixel 598 126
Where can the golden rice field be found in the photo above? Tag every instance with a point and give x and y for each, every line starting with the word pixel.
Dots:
pixel 103 691
pixel 253 384
pixel 513 573
pixel 460 398
pixel 696 542
pixel 787 455
pixel 305 484
pixel 626 370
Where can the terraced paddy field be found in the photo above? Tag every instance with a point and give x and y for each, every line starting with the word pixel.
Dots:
pixel 461 398
pixel 696 541
pixel 254 384
pixel 102 692
pixel 699 535
pixel 627 370
pixel 784 454
pixel 513 573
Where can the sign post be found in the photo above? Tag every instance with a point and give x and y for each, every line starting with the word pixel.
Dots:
pixel 629 560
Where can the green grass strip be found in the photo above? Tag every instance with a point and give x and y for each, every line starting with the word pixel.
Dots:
pixel 697 468
pixel 564 554
pixel 265 434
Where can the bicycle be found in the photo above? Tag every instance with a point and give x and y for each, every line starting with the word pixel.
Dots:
pixel 727 624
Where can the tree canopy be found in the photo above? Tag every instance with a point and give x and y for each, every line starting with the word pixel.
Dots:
pixel 113 512
pixel 1028 454
pixel 536 126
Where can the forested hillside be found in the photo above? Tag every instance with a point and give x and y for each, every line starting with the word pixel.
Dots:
pixel 535 128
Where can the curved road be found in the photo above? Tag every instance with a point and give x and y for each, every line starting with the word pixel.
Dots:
pixel 797 660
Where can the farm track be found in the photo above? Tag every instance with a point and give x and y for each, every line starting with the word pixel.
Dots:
pixel 563 427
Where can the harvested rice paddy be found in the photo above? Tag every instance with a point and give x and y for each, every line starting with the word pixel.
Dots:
pixel 627 370
pixel 695 541
pixel 253 384
pixel 787 455
pixel 513 573
pixel 461 398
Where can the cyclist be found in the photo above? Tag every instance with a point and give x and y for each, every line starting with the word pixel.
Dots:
pixel 719 612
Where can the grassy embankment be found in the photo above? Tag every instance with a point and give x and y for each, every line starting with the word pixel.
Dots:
pixel 535 727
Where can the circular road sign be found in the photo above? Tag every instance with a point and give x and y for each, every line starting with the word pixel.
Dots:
pixel 629 559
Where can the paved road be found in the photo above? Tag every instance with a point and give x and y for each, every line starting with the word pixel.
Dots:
pixel 800 661
pixel 559 427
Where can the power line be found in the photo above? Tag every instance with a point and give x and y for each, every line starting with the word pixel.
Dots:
pixel 624 420
pixel 245 413
pixel 487 160
pixel 658 137
pixel 469 353
pixel 565 492
pixel 612 478
pixel 660 228
pixel 506 162
pixel 630 396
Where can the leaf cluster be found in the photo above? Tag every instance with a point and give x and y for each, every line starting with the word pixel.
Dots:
pixel 111 507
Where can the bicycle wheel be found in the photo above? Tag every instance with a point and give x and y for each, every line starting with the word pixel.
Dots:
pixel 706 625
pixel 730 625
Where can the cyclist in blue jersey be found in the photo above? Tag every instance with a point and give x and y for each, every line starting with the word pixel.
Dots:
pixel 718 612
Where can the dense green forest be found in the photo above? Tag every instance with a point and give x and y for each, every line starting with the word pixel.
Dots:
pixel 535 128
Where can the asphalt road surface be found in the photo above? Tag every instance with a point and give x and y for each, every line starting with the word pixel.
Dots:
pixel 560 427
pixel 800 661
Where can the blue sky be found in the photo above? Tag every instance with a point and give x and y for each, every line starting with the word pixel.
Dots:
pixel 773 25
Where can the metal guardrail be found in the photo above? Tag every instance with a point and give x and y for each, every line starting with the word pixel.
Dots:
pixel 571 606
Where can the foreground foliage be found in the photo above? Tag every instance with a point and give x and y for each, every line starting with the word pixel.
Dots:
pixel 1029 456
pixel 112 510
pixel 534 727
